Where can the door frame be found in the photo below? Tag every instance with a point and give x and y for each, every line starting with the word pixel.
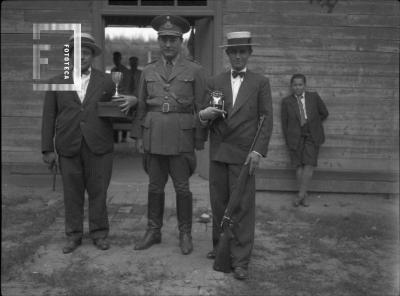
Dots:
pixel 101 9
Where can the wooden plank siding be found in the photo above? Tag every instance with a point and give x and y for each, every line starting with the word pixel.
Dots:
pixel 21 107
pixel 350 56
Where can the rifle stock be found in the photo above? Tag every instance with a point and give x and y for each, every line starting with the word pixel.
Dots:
pixel 222 260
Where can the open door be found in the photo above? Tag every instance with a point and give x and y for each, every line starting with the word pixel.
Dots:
pixel 204 54
pixel 203 44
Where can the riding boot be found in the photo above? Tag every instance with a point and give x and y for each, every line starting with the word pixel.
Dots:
pixel 184 208
pixel 155 212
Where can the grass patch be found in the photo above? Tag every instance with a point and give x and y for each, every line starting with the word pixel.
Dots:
pixel 325 254
pixel 80 281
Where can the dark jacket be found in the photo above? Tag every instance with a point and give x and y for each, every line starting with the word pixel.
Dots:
pixel 69 120
pixel 290 116
pixel 231 138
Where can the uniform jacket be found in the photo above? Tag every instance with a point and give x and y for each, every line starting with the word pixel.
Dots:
pixel 231 138
pixel 69 120
pixel 170 133
pixel 290 116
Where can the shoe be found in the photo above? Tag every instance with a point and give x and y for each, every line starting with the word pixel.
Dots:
pixel 240 273
pixel 185 243
pixel 101 244
pixel 71 245
pixel 211 254
pixel 150 238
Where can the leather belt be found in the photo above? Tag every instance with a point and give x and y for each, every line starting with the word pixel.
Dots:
pixel 168 108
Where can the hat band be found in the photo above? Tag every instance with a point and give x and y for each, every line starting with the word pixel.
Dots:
pixel 234 41
pixel 84 40
pixel 169 33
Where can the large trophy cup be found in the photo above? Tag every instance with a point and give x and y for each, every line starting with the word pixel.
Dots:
pixel 217 100
pixel 116 78
pixel 112 108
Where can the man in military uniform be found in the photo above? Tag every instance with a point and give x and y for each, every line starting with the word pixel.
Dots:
pixel 167 129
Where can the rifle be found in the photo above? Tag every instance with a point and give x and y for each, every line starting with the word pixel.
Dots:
pixel 222 260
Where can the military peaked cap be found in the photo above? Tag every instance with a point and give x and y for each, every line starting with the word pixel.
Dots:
pixel 172 25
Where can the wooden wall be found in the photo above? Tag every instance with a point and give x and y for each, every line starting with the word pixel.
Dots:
pixel 21 107
pixel 350 56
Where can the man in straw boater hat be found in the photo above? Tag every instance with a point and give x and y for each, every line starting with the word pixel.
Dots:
pixel 247 97
pixel 84 146
pixel 167 128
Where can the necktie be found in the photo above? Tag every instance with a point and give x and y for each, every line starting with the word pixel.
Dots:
pixel 237 73
pixel 303 119
pixel 169 67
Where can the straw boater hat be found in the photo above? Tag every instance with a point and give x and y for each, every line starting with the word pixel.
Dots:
pixel 238 39
pixel 171 25
pixel 87 40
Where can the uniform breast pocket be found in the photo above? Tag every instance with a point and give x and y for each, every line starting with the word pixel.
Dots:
pixel 185 86
pixel 153 86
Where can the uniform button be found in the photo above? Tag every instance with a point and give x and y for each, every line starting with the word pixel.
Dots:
pixel 82 109
pixel 82 122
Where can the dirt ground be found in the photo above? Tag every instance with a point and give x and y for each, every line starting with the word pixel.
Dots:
pixel 343 244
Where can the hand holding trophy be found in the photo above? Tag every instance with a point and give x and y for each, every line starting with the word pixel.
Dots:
pixel 116 78
pixel 217 101
pixel 215 108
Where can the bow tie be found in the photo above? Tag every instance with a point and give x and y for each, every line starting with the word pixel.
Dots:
pixel 238 73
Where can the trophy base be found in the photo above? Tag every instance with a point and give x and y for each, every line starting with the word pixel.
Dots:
pixel 116 97
pixel 110 109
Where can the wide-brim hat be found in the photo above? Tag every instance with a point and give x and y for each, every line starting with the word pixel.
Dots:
pixel 242 38
pixel 87 40
pixel 171 25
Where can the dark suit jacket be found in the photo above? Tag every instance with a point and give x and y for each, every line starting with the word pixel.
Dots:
pixel 231 138
pixel 290 116
pixel 69 120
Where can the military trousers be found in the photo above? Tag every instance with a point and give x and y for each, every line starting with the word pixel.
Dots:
pixel 91 172
pixel 223 179
pixel 180 168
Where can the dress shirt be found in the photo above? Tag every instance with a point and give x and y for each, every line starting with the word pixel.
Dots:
pixel 235 83
pixel 85 82
pixel 303 103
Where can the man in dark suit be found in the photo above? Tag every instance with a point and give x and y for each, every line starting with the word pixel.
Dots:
pixel 247 98
pixel 302 114
pixel 171 91
pixel 84 144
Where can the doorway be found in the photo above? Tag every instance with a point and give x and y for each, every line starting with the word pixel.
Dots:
pixel 204 16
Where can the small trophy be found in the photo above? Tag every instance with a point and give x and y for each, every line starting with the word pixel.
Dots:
pixel 116 77
pixel 217 100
